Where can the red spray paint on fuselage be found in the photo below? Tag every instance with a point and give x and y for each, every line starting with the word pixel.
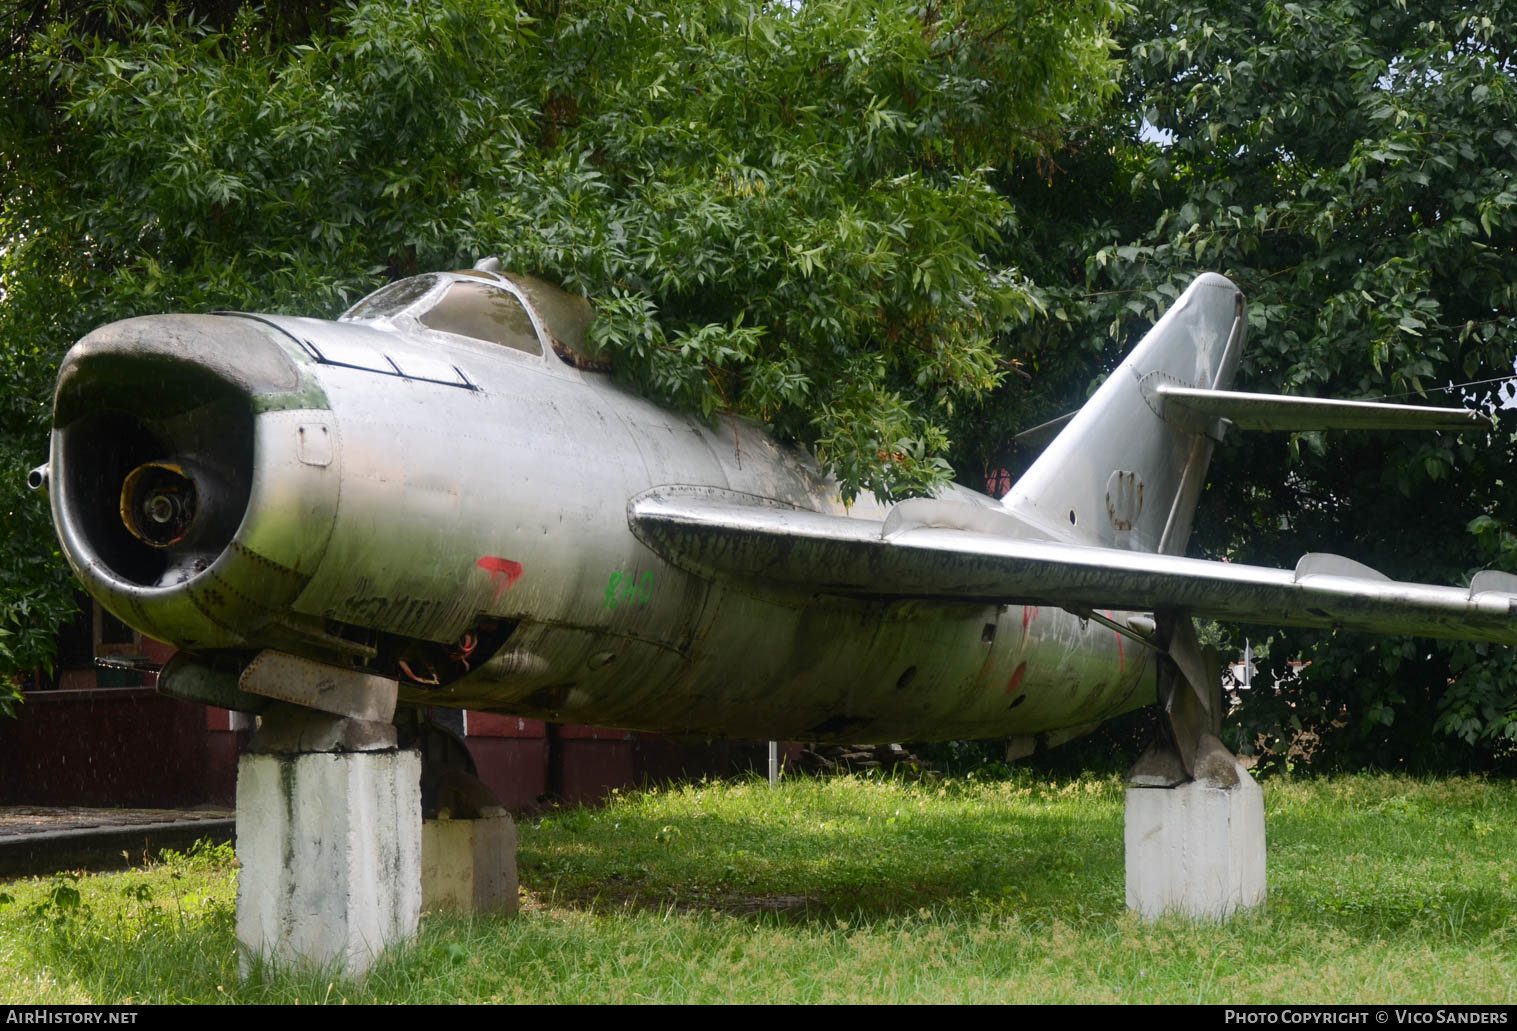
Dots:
pixel 503 573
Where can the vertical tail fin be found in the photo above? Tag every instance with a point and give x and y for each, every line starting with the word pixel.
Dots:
pixel 1119 474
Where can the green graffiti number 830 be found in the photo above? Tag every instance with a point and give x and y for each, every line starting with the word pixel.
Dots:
pixel 626 588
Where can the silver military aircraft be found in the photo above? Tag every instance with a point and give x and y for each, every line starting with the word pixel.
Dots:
pixel 442 490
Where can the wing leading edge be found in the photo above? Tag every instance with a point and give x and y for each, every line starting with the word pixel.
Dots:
pixel 741 540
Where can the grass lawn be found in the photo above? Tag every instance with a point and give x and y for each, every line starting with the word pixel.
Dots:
pixel 1382 889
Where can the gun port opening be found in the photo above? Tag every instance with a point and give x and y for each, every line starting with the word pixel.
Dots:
pixel 427 665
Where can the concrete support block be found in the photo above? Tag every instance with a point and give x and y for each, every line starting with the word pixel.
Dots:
pixel 469 865
pixel 1196 849
pixel 330 849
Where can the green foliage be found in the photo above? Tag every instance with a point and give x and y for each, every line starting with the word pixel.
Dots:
pixel 1347 164
pixel 170 925
pixel 203 854
pixel 779 210
pixel 897 233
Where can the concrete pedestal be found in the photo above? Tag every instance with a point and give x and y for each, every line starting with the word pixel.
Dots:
pixel 469 865
pixel 1196 849
pixel 330 848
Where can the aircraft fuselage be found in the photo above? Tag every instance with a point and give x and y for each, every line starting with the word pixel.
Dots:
pixel 453 513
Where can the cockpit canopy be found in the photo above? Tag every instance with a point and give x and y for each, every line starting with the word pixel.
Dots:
pixel 510 310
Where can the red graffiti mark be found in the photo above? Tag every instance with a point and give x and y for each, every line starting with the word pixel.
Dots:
pixel 1017 677
pixel 503 573
pixel 1029 613
pixel 1121 656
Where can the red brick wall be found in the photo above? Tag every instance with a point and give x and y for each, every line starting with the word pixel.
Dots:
pixel 130 746
pixel 528 763
pixel 126 746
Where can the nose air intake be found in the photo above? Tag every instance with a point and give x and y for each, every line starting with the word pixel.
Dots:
pixel 174 478
pixel 154 428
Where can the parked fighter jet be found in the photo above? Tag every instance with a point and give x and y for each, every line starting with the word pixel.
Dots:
pixel 441 490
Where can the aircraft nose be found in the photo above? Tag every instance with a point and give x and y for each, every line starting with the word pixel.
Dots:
pixel 175 452
pixel 155 425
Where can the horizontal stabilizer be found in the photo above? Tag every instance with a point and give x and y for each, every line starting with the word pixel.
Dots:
pixel 761 547
pixel 1199 410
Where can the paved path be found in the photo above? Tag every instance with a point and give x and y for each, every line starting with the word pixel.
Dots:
pixel 46 839
pixel 33 819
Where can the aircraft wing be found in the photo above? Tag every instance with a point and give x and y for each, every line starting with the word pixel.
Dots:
pixel 736 539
